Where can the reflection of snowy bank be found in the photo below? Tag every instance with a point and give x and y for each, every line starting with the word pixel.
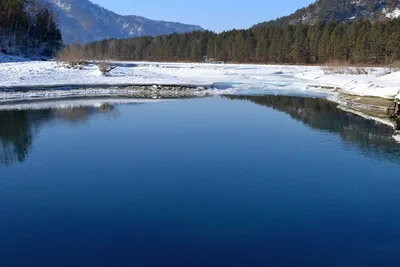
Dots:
pixel 72 103
pixel 364 111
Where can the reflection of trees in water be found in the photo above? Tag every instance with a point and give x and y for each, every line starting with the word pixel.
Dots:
pixel 82 114
pixel 17 127
pixel 15 136
pixel 368 135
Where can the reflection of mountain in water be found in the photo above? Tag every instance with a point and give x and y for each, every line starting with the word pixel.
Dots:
pixel 371 137
pixel 18 127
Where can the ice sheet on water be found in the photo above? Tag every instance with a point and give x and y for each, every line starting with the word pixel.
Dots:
pixel 274 88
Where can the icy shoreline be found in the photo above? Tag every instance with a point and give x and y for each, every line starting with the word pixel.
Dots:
pixel 132 82
pixel 132 91
pixel 33 80
pixel 226 78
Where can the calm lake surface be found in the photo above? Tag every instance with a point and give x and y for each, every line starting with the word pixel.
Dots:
pixel 221 181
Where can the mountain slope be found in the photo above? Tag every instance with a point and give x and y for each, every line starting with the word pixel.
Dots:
pixel 342 10
pixel 81 21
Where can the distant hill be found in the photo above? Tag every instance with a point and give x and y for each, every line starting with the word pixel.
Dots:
pixel 81 21
pixel 341 10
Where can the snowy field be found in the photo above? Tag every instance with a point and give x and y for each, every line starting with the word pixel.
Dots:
pixel 224 78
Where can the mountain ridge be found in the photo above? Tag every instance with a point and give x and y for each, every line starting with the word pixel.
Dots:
pixel 82 21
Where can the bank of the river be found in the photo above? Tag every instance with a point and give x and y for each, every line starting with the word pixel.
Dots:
pixel 366 90
pixel 375 82
pixel 98 90
pixel 369 107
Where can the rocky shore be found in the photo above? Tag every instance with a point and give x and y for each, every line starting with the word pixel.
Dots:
pixel 133 91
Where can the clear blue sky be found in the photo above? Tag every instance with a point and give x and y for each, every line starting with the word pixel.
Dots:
pixel 216 15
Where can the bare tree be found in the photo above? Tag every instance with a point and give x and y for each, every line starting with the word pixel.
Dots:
pixel 105 67
pixel 72 57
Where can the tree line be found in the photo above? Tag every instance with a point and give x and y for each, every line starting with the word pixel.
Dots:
pixel 360 41
pixel 28 27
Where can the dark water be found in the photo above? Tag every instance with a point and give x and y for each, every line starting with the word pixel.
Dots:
pixel 233 181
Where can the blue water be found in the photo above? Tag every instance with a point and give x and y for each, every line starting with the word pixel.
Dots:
pixel 223 181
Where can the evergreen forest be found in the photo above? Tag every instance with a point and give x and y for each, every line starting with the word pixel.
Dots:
pixel 360 41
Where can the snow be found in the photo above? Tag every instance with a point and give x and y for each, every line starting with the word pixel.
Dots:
pixel 63 6
pixel 392 15
pixel 225 78
pixel 375 83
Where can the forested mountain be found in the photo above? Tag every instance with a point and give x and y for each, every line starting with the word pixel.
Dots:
pixel 361 41
pixel 341 10
pixel 81 21
pixel 28 27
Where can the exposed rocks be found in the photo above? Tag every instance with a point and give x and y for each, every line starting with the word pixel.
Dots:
pixel 157 91
pixel 134 91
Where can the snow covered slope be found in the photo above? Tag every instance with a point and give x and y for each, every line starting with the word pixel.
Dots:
pixel 81 21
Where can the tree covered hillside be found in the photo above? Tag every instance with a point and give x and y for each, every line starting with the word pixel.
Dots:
pixel 28 28
pixel 361 41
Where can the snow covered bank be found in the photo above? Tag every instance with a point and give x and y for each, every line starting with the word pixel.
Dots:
pixel 229 78
pixel 376 83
